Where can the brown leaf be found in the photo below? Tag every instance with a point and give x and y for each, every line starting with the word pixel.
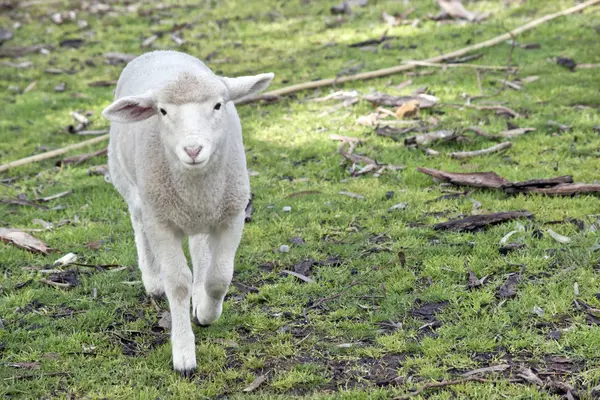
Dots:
pixel 256 383
pixel 24 241
pixel 25 365
pixel 475 179
pixel 409 109
pixel 509 288
pixel 479 222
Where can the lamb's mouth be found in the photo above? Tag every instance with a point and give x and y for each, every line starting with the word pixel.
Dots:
pixel 195 164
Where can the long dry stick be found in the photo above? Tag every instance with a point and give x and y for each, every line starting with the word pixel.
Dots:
pixel 469 154
pixel 51 154
pixel 327 82
pixel 451 65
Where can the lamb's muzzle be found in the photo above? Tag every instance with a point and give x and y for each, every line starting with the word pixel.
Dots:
pixel 176 156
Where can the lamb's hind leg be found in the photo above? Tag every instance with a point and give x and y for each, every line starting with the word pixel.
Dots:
pixel 213 258
pixel 151 275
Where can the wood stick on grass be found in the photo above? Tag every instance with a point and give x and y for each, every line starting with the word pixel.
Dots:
pixel 453 65
pixel 349 78
pixel 493 149
pixel 52 153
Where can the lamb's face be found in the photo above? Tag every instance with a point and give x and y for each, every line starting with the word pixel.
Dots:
pixel 192 131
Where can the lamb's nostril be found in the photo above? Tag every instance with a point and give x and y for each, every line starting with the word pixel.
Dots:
pixel 193 151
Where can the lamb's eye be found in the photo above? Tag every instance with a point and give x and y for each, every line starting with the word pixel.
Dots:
pixel 218 106
pixel 163 111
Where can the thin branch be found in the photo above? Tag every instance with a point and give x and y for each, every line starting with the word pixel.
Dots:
pixel 468 154
pixel 454 65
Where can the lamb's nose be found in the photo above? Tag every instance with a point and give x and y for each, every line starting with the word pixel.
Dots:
pixel 193 151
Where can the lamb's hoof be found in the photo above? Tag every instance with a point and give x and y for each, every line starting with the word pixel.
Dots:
pixel 197 323
pixel 186 373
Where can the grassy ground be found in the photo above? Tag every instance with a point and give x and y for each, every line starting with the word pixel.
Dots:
pixel 414 319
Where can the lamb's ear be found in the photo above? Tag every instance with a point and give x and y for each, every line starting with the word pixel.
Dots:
pixel 131 108
pixel 245 86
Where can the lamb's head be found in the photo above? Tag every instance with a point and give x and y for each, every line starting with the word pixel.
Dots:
pixel 194 113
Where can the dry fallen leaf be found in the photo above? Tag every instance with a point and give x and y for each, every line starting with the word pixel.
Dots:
pixel 409 109
pixel 25 365
pixel 24 241
pixel 256 383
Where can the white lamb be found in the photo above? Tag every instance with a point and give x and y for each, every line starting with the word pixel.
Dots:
pixel 177 158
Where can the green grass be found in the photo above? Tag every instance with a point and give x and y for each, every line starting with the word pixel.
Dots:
pixel 109 346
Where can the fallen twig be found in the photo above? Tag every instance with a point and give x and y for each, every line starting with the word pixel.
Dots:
pixel 53 153
pixel 454 65
pixel 494 149
pixel 429 138
pixel 81 158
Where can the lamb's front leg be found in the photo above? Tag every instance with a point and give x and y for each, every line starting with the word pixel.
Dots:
pixel 166 245
pixel 213 258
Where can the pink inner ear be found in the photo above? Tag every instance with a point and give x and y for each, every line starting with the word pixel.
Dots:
pixel 137 111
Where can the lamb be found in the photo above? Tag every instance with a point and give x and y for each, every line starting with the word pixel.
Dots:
pixel 176 156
